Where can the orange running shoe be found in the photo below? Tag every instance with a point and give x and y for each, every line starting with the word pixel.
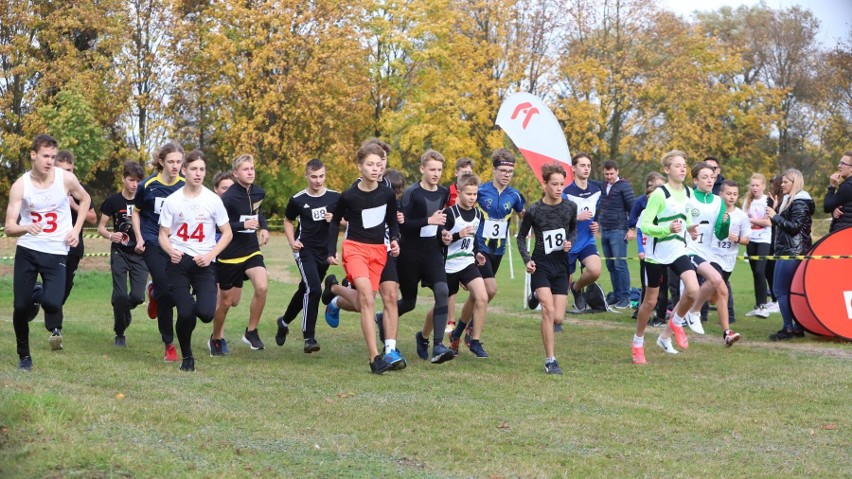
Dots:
pixel 639 355
pixel 680 335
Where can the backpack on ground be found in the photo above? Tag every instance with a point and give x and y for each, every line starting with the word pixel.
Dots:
pixel 596 299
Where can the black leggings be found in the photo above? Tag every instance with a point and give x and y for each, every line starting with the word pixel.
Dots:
pixel 185 279
pixel 156 260
pixel 760 271
pixel 313 268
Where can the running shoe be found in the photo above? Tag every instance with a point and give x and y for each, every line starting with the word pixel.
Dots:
pixel 680 335
pixel 666 344
pixel 760 312
pixel 468 332
pixel 454 344
pixel 552 367
pixel 215 347
pixel 283 329
pixel 395 359
pixel 152 303
pixel 731 338
pixel 225 348
pixel 327 294
pixel 120 341
pixel 25 363
pixel 188 364
pixel 580 304
pixel 557 328
pixel 332 315
pixel 55 340
pixel 379 365
pixel 252 338
pixel 772 307
pixel 623 303
pixel 532 300
pixel 422 346
pixel 693 320
pixel 380 326
pixel 657 323
pixel 639 355
pixel 441 353
pixel 311 346
pixel 477 350
pixel 171 354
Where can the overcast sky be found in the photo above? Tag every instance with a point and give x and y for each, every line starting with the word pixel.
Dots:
pixel 835 15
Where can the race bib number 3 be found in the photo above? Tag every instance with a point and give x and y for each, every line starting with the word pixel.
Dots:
pixel 553 240
pixel 495 229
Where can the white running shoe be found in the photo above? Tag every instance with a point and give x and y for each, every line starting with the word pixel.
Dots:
pixel 760 312
pixel 693 320
pixel 666 344
pixel 772 307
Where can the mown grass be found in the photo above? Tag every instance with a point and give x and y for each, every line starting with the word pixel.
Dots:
pixel 756 410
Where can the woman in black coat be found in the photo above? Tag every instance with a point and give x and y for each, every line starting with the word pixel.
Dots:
pixel 792 231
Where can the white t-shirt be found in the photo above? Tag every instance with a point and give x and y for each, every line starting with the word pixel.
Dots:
pixel 725 251
pixel 757 210
pixel 192 222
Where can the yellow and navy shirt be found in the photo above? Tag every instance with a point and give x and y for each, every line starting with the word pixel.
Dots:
pixel 149 202
pixel 497 211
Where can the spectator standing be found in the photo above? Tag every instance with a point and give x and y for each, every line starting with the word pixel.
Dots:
pixel 616 202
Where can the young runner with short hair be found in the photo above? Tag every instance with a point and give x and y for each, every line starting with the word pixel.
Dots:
pixel 39 215
pixel 666 221
pixel 126 264
pixel 188 221
pixel 553 220
pixel 309 245
pixel 370 208
pixel 241 259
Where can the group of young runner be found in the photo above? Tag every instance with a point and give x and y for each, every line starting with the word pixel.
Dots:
pixel 199 246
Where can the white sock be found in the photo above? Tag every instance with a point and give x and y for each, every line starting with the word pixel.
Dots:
pixel 638 341
pixel 677 320
pixel 547 360
pixel 390 345
pixel 334 302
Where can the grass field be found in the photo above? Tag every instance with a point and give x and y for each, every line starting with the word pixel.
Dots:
pixel 759 409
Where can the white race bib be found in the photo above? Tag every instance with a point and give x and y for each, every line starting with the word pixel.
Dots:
pixel 553 240
pixel 158 205
pixel 372 217
pixel 429 231
pixel 243 219
pixel 495 229
pixel 318 214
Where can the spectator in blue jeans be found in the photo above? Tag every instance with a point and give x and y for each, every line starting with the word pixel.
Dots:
pixel 616 203
pixel 791 226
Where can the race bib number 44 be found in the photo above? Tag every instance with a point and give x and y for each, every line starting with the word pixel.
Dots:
pixel 495 229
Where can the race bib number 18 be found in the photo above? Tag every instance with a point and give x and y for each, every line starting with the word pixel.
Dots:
pixel 495 229
pixel 553 240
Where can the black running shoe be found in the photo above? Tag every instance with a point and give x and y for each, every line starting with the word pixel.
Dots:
pixel 580 304
pixel 311 346
pixel 441 354
pixel 25 363
pixel 532 300
pixel 380 326
pixel 552 367
pixel 557 327
pixel 422 346
pixel 120 341
pixel 283 329
pixel 327 295
pixel 379 365
pixel 252 338
pixel 215 347
pixel 188 364
pixel 477 350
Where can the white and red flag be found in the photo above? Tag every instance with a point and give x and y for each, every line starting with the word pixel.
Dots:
pixel 534 130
